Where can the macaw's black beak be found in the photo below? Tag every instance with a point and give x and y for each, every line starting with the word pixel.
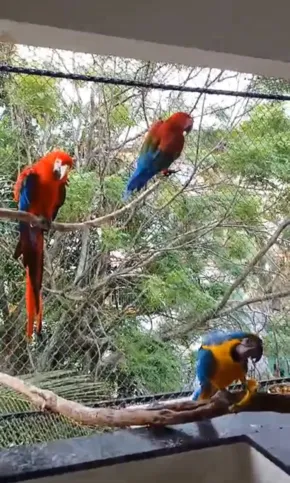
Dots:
pixel 250 347
pixel 189 126
pixel 188 129
pixel 56 174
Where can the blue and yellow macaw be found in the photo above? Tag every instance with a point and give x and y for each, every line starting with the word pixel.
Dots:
pixel 223 359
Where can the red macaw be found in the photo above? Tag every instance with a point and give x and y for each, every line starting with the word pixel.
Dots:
pixel 163 144
pixel 40 189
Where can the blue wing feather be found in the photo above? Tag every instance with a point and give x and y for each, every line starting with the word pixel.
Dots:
pixel 27 191
pixel 205 365
pixel 218 337
pixel 205 370
pixel 26 196
pixel 145 170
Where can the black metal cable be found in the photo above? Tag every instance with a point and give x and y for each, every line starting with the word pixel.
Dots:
pixel 134 83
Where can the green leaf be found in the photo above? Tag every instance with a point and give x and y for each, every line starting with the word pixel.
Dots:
pixel 80 196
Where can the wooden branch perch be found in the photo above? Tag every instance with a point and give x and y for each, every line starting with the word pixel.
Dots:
pixel 159 415
pixel 35 220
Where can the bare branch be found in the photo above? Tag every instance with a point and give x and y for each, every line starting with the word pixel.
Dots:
pixel 254 300
pixel 83 255
pixel 65 227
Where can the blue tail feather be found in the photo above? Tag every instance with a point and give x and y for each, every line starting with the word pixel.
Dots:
pixel 195 395
pixel 138 180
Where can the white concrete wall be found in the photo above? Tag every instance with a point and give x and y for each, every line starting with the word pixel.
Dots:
pixel 224 464
pixel 240 35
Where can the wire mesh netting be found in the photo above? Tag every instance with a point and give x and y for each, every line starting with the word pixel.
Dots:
pixel 125 303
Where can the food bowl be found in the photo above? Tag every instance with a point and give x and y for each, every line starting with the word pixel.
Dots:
pixel 281 388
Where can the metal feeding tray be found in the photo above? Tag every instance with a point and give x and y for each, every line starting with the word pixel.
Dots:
pixel 281 388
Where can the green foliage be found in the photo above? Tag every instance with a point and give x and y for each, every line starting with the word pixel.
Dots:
pixel 259 148
pixel 37 96
pixel 176 289
pixel 277 339
pixel 150 364
pixel 8 155
pixel 114 238
pixel 120 117
pixel 271 85
pixel 216 290
pixel 113 188
pixel 239 246
pixel 80 196
pixel 247 208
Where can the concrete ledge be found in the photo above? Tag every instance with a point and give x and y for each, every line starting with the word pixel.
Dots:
pixel 267 433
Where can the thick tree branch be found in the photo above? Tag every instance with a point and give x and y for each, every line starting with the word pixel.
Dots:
pixel 65 227
pixel 167 414
pixel 260 402
pixel 254 300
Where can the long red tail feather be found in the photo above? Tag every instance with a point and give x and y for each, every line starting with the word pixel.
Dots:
pixel 31 247
pixel 39 316
pixel 30 306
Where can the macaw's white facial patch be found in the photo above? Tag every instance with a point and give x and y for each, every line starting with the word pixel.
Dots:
pixel 59 169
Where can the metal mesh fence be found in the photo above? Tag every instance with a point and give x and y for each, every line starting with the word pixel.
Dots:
pixel 125 303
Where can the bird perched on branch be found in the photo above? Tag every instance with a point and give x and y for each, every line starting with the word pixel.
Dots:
pixel 41 190
pixel 163 144
pixel 223 359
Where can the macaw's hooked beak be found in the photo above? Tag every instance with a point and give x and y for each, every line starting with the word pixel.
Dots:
pixel 188 127
pixel 250 347
pixel 59 169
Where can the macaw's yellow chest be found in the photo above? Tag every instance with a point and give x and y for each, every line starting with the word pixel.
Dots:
pixel 226 369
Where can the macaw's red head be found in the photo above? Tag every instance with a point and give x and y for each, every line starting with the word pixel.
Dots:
pixel 183 120
pixel 62 163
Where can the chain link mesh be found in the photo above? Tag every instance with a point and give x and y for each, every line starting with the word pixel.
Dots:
pixel 125 303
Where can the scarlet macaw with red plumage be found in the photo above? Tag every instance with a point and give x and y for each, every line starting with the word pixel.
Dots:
pixel 41 190
pixel 162 145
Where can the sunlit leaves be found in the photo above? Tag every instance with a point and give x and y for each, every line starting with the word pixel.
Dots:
pixel 37 96
pixel 149 363
pixel 80 195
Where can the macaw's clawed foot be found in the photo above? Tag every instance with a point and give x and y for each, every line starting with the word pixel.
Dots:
pixel 169 172
pixel 251 388
pixel 252 385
